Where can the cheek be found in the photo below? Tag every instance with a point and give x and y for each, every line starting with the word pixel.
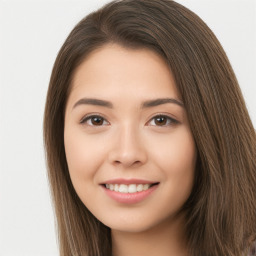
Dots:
pixel 83 156
pixel 177 150
pixel 177 163
pixel 183 153
pixel 177 159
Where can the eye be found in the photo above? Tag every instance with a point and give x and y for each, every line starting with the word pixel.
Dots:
pixel 162 120
pixel 94 120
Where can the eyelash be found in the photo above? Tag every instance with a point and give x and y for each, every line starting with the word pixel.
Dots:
pixel 170 120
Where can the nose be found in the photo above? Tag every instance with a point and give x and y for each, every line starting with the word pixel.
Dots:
pixel 128 149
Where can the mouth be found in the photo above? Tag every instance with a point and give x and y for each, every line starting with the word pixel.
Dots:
pixel 129 188
pixel 129 193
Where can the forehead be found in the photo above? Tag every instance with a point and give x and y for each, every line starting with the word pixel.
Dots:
pixel 113 70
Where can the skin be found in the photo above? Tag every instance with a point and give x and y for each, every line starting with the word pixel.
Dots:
pixel 129 142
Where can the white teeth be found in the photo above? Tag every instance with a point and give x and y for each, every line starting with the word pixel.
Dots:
pixel 123 188
pixel 116 188
pixel 145 186
pixel 132 188
pixel 139 187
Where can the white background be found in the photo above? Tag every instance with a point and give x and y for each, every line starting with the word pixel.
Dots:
pixel 31 33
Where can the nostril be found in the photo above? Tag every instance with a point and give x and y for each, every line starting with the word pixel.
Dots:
pixel 127 162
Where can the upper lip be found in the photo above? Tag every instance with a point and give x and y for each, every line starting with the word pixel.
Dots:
pixel 128 181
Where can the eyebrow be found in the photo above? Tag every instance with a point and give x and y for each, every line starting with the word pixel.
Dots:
pixel 157 102
pixel 145 104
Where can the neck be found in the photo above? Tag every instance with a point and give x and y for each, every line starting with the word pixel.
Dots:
pixel 167 238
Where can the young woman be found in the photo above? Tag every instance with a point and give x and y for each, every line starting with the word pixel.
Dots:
pixel 149 145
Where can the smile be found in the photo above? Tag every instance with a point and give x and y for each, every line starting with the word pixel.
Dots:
pixel 132 188
pixel 129 194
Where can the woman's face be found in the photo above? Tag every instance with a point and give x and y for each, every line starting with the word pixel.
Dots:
pixel 125 125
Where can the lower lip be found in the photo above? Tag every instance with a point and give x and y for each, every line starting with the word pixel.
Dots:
pixel 130 198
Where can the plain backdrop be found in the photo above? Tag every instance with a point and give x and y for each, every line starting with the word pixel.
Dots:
pixel 31 33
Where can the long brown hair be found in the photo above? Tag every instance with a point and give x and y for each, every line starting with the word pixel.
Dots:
pixel 221 211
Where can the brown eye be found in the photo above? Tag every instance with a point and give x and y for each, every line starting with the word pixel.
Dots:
pixel 162 120
pixel 94 120
pixel 97 120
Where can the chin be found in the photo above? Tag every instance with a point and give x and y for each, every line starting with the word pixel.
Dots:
pixel 131 225
pixel 130 228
